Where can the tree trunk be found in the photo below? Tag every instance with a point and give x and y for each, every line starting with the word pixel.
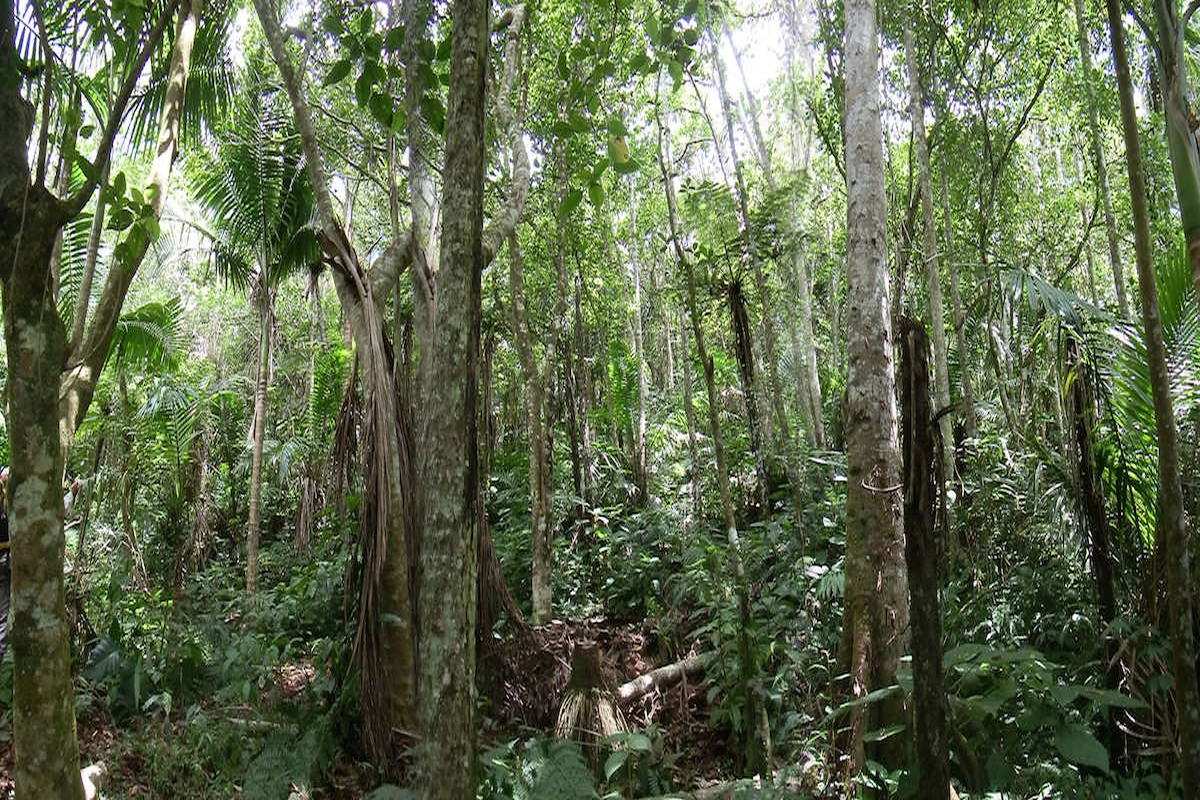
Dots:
pixel 1182 143
pixel 876 613
pixel 640 479
pixel 1171 522
pixel 689 413
pixel 1110 223
pixel 539 457
pixel 956 307
pixel 450 453
pixel 784 441
pixel 929 253
pixel 258 434
pixel 1091 497
pixel 755 746
pixel 922 491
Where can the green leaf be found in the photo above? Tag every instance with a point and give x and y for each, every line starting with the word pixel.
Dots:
pixel 676 70
pixel 87 168
pixel 614 762
pixel 86 131
pixel 562 129
pixel 652 26
pixel 120 219
pixel 366 20
pixel 443 48
pixel 626 167
pixel 616 126
pixel 570 203
pixel 639 63
pixel 689 8
pixel 434 113
pixel 595 193
pixel 883 733
pixel 564 70
pixel 691 36
pixel 382 109
pixel 1107 697
pixel 639 743
pixel 118 185
pixel 362 89
pixel 395 39
pixel 337 72
pixel 1077 745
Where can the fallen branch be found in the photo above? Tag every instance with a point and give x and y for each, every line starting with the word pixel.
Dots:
pixel 660 678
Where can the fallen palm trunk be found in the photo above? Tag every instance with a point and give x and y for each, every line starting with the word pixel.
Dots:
pixel 660 678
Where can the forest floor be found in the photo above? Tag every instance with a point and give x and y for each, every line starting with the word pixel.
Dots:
pixel 522 681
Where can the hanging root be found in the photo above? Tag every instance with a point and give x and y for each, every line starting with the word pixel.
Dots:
pixel 589 714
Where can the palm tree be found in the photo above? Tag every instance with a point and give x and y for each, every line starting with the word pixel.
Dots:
pixel 259 202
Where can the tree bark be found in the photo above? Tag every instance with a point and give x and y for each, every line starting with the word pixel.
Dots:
pixel 539 457
pixel 922 491
pixel 1110 223
pixel 876 613
pixel 1182 143
pixel 660 678
pixel 956 307
pixel 929 248
pixel 640 477
pixel 450 457
pixel 258 434
pixel 1172 525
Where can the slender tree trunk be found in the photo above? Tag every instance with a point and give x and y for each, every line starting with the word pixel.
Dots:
pixel 584 394
pixel 929 248
pixel 1110 223
pixel 755 750
pixel 84 296
pixel 922 491
pixel 1182 142
pixel 1171 522
pixel 876 613
pixel 1091 496
pixel 956 307
pixel 640 478
pixel 258 435
pixel 689 413
pixel 450 460
pixel 784 440
pixel 539 461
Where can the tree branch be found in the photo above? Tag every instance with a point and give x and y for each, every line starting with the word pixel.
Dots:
pixel 505 221
pixel 47 83
pixel 1187 14
pixel 116 111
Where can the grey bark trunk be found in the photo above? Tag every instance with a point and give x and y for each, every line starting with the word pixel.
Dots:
pixel 876 614
pixel 956 307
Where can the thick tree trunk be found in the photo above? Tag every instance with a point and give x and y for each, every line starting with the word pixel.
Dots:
pixel 46 760
pixel 922 491
pixel 258 436
pixel 1171 522
pixel 876 614
pixel 929 253
pixel 450 457
pixel 1110 223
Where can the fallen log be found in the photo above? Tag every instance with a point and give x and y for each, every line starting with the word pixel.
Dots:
pixel 660 678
